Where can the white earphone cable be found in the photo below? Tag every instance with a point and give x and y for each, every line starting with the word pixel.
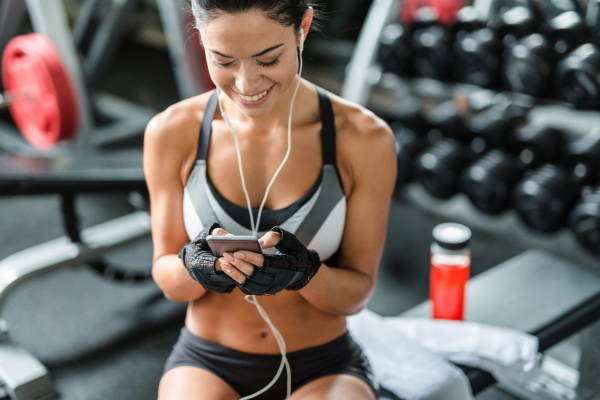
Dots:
pixel 255 226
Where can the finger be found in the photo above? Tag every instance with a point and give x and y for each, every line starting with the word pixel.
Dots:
pixel 250 257
pixel 220 232
pixel 246 267
pixel 269 239
pixel 219 264
pixel 234 273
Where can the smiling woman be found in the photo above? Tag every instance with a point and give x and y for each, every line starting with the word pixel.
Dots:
pixel 271 155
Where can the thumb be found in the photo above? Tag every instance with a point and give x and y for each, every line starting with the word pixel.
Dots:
pixel 269 239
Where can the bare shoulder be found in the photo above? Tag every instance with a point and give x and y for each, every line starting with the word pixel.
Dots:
pixel 171 137
pixel 358 125
pixel 365 143
pixel 174 123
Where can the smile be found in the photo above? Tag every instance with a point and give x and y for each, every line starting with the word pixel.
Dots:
pixel 256 97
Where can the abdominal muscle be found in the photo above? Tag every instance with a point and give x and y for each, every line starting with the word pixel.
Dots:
pixel 230 320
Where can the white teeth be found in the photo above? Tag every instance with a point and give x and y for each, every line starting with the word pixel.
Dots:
pixel 254 98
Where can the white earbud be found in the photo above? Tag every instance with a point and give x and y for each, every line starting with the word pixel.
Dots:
pixel 301 40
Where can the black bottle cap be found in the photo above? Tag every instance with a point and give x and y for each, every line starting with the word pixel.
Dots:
pixel 452 236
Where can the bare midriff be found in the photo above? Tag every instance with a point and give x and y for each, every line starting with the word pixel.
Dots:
pixel 228 319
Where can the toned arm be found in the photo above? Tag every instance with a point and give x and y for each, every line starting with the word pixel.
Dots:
pixel 367 161
pixel 166 148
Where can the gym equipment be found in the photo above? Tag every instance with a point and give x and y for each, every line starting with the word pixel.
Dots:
pixel 535 292
pixel 577 78
pixel 513 20
pixel 410 127
pixel 96 32
pixel 488 182
pixel 446 10
pixel 530 62
pixel 409 143
pixel 431 42
pixel 545 195
pixel 395 52
pixel 12 13
pixel 477 58
pixel 467 20
pixel 494 127
pixel 355 87
pixel 86 163
pixel 187 55
pixel 464 139
pixel 445 120
pixel 528 66
pixel 40 96
pixel 584 219
pixel 476 50
pixel 592 20
pixel 438 168
pixel 102 120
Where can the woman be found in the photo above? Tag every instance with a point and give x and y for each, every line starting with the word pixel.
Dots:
pixel 332 194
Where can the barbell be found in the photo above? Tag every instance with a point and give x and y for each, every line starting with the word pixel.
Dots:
pixel 39 92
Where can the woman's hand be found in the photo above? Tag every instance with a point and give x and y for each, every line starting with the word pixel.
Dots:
pixel 200 262
pixel 291 267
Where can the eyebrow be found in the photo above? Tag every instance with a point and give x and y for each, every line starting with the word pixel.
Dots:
pixel 253 55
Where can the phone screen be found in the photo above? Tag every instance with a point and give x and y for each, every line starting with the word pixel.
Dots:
pixel 220 244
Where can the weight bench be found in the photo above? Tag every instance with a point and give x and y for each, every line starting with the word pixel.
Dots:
pixel 534 292
pixel 22 376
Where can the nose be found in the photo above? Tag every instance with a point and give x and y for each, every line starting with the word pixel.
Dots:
pixel 248 79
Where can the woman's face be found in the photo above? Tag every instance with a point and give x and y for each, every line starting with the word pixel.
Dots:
pixel 252 58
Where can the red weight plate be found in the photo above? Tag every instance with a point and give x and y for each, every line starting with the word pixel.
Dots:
pixel 48 111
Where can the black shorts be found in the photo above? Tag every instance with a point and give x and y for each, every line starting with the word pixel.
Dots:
pixel 247 373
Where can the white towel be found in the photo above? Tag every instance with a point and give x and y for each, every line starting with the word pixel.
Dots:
pixel 511 356
pixel 410 357
pixel 402 366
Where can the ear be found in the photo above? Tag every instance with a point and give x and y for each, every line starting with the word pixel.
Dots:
pixel 305 24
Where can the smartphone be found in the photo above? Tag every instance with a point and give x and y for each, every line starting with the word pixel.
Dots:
pixel 220 244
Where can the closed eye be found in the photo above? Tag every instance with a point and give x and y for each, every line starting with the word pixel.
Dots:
pixel 222 65
pixel 268 64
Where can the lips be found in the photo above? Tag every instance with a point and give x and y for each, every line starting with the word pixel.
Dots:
pixel 255 99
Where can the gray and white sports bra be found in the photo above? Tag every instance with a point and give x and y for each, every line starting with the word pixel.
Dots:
pixel 317 218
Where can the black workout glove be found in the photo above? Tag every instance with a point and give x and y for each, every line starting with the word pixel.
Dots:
pixel 291 267
pixel 200 263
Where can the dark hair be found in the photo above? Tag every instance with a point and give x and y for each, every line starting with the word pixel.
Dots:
pixel 286 12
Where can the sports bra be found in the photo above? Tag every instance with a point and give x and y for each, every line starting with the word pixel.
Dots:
pixel 317 218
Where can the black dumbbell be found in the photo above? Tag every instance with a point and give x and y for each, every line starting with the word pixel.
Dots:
pixel 477 55
pixel 410 128
pixel 577 77
pixel 395 53
pixel 431 43
pixel 584 219
pixel 409 143
pixel 513 20
pixel 528 66
pixel 488 182
pixel 467 20
pixel 544 196
pixel 529 63
pixel 445 120
pixel 438 166
pixel 563 24
pixel 462 140
pixel 592 19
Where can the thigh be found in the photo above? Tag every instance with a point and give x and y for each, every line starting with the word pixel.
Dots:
pixel 335 387
pixel 192 383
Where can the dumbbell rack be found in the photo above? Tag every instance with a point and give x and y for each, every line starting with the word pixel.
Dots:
pixel 367 84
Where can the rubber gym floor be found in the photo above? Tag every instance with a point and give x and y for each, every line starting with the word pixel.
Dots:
pixel 102 339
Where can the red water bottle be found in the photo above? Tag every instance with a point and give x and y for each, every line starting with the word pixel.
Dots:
pixel 450 265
